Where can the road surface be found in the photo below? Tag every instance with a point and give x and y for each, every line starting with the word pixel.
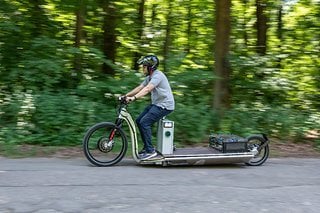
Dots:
pixel 49 185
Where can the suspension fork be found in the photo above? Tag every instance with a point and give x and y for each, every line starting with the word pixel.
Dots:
pixel 118 123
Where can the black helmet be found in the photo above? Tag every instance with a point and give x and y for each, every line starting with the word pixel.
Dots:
pixel 151 61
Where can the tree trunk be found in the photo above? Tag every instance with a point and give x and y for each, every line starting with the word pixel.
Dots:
pixel 167 42
pixel 188 47
pixel 139 29
pixel 38 18
pixel 279 32
pixel 245 33
pixel 109 35
pixel 222 67
pixel 80 18
pixel 80 13
pixel 261 27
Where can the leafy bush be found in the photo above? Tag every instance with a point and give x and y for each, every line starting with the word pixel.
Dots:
pixel 61 118
pixel 276 121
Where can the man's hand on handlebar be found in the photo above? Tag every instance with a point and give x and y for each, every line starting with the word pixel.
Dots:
pixel 127 98
pixel 130 99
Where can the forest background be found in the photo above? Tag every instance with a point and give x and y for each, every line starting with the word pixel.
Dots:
pixel 240 66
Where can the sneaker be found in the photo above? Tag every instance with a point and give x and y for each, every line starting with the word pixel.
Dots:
pixel 142 152
pixel 148 155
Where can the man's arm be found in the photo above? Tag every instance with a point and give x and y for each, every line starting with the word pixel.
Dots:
pixel 144 91
pixel 135 90
pixel 131 96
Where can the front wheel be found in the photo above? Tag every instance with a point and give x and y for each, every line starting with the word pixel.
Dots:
pixel 257 143
pixel 105 144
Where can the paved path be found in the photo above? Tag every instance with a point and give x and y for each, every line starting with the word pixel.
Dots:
pixel 44 185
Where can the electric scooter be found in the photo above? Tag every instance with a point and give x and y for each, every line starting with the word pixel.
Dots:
pixel 106 144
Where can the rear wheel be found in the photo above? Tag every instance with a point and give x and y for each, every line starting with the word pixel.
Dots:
pixel 257 143
pixel 105 144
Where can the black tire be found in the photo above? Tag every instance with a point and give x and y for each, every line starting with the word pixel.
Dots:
pixel 96 139
pixel 256 141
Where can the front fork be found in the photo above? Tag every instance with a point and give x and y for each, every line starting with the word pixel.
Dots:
pixel 108 144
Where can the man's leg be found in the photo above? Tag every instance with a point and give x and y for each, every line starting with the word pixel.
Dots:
pixel 138 121
pixel 153 115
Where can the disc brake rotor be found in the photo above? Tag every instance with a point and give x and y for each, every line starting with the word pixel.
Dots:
pixel 104 145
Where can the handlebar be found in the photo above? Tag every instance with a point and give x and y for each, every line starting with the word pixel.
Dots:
pixel 123 100
pixel 123 103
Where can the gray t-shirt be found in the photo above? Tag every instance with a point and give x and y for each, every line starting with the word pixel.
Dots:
pixel 161 95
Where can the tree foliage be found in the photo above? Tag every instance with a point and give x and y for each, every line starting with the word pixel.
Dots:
pixel 63 62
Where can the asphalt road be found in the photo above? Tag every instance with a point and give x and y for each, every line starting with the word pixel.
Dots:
pixel 51 185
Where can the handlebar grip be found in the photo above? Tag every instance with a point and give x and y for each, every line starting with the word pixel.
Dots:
pixel 123 99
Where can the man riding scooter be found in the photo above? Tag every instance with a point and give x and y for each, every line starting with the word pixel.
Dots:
pixel 105 143
pixel 162 102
